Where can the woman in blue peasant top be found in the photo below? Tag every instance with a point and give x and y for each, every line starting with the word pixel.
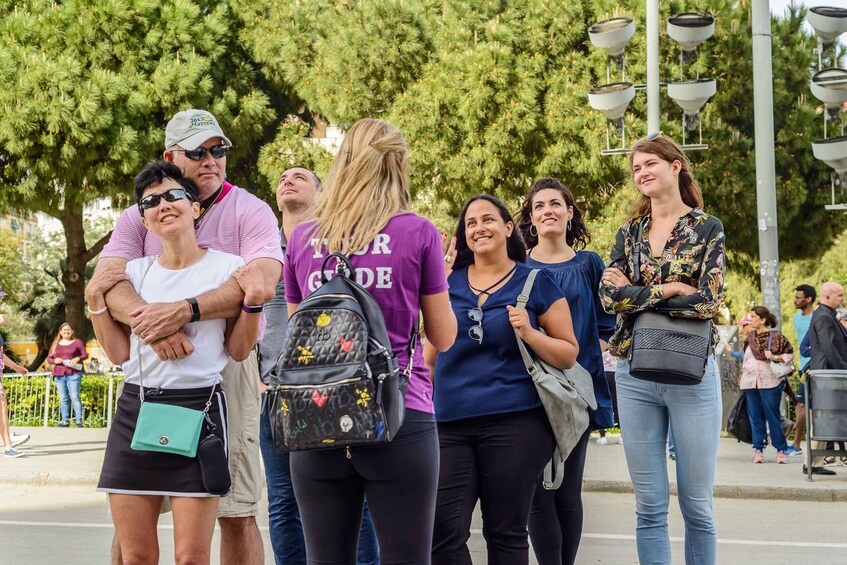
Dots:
pixel 553 230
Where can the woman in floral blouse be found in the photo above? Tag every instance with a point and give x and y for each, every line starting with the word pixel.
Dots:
pixel 682 274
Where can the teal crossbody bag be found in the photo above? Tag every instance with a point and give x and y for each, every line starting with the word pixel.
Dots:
pixel 163 427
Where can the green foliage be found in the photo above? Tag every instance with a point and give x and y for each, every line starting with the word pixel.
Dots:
pixel 492 95
pixel 26 400
pixel 291 146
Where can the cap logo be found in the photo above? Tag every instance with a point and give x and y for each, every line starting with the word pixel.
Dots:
pixel 202 121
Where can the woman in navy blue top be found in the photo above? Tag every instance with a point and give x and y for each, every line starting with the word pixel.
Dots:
pixel 553 229
pixel 494 436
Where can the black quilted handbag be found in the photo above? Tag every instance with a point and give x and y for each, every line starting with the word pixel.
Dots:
pixel 337 382
pixel 664 349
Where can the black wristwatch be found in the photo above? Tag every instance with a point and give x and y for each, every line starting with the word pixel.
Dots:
pixel 195 309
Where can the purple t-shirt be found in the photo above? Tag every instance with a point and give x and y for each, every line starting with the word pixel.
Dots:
pixel 402 263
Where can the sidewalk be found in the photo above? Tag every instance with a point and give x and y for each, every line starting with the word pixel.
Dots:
pixel 735 476
pixel 70 456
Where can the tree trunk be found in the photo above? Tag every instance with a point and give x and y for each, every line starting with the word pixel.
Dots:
pixel 74 276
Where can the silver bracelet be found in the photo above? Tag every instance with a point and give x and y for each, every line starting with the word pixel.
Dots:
pixel 96 312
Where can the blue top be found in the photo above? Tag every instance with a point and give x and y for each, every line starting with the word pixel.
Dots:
pixel 580 279
pixel 479 379
pixel 801 324
pixel 805 351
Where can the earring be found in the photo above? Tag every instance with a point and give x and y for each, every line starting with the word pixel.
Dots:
pixel 568 227
pixel 533 231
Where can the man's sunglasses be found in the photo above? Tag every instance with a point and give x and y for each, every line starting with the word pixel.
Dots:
pixel 650 137
pixel 152 201
pixel 199 154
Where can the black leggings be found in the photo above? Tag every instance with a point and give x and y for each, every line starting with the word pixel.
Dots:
pixel 497 460
pixel 555 521
pixel 400 479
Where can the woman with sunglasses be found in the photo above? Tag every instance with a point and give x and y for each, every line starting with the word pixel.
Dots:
pixel 137 481
pixel 552 227
pixel 494 435
pixel 365 212
pixel 681 266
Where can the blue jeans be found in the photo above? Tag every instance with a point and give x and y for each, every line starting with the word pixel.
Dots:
pixel 68 387
pixel 763 409
pixel 646 411
pixel 286 531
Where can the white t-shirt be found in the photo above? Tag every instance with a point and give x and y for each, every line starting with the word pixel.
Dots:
pixel 203 367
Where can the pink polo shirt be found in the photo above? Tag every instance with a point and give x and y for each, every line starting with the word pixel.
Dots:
pixel 239 223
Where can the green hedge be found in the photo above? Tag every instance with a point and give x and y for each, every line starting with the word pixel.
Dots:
pixel 26 400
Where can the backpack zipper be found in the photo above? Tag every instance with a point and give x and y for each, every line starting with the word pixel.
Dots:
pixel 341 382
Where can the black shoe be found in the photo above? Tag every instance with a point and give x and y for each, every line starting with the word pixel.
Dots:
pixel 818 471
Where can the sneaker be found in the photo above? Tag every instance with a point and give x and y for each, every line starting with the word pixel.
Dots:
pixel 818 471
pixel 602 440
pixel 79 424
pixel 14 453
pixel 794 452
pixel 758 456
pixel 781 458
pixel 19 439
pixel 618 440
pixel 62 425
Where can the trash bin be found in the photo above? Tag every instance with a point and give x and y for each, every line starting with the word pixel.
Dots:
pixel 826 408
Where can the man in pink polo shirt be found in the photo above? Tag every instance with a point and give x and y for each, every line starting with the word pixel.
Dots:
pixel 231 220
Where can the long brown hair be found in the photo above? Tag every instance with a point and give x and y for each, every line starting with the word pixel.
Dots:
pixel 59 336
pixel 667 150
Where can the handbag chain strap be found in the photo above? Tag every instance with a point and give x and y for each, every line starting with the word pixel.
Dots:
pixel 523 298
pixel 138 353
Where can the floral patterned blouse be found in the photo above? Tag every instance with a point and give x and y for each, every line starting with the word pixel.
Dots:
pixel 694 254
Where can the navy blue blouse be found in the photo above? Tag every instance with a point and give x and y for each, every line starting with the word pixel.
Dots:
pixel 479 379
pixel 579 279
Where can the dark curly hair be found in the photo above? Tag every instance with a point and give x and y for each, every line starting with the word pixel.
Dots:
pixel 514 245
pixel 577 236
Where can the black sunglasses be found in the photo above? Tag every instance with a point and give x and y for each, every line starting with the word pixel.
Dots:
pixel 199 154
pixel 153 200
pixel 476 332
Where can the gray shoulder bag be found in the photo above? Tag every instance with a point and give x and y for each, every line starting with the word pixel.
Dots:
pixel 567 395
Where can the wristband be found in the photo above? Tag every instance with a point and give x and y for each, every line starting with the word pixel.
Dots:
pixel 252 309
pixel 195 309
pixel 96 312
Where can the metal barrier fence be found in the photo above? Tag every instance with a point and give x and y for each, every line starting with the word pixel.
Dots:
pixel 34 401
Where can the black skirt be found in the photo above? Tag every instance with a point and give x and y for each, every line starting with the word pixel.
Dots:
pixel 127 471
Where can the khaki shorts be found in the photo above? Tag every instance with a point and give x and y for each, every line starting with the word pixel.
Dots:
pixel 241 386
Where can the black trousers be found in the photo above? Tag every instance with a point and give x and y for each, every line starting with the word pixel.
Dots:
pixel 555 521
pixel 400 481
pixel 497 460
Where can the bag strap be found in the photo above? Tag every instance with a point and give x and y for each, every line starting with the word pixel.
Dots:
pixel 140 365
pixel 636 255
pixel 523 298
pixel 554 471
pixel 770 340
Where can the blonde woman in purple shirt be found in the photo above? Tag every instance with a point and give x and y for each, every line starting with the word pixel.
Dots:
pixel 364 211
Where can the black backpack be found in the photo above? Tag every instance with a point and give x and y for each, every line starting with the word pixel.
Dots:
pixel 337 381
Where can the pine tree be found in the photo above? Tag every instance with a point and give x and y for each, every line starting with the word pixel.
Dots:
pixel 90 86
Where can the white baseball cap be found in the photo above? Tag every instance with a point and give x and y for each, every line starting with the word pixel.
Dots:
pixel 191 128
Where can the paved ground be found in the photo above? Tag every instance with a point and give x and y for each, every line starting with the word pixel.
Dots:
pixel 70 456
